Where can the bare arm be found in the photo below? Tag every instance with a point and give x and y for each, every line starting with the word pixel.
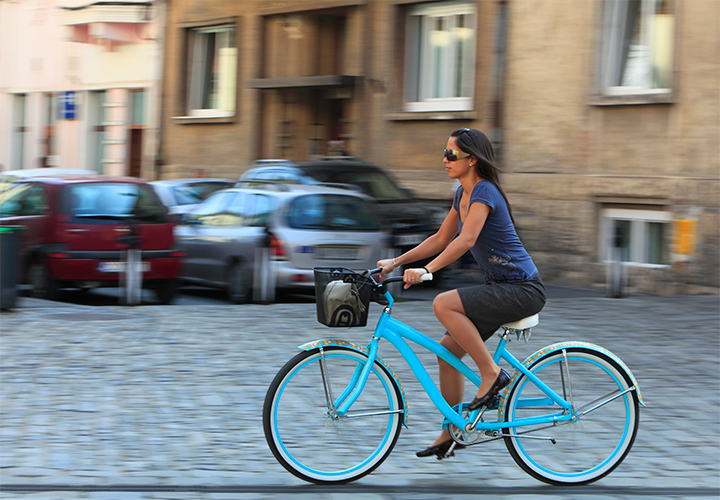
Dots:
pixel 432 245
pixel 443 241
pixel 477 215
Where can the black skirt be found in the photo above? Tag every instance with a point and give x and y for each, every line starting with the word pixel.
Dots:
pixel 492 304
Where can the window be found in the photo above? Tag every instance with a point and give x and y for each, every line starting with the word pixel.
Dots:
pixel 17 158
pixel 637 47
pixel 107 203
pixel 256 210
pixel 137 107
pixel 331 213
pixel 214 211
pixel 22 200
pixel 50 105
pixel 635 236
pixel 135 133
pixel 372 182
pixel 212 71
pixel 194 192
pixel 96 131
pixel 440 57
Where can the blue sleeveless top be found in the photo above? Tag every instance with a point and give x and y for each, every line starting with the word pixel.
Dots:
pixel 498 250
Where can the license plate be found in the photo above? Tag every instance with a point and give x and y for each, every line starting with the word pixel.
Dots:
pixel 337 253
pixel 119 267
pixel 408 239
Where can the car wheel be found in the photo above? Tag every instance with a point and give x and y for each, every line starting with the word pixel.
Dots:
pixel 165 291
pixel 43 286
pixel 239 284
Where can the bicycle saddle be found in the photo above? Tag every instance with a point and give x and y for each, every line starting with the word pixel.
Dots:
pixel 524 323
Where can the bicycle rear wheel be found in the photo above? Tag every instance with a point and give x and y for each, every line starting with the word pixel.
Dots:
pixel 305 435
pixel 589 447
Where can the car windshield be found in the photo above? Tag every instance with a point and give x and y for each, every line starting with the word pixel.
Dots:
pixel 373 182
pixel 191 194
pixel 332 212
pixel 115 200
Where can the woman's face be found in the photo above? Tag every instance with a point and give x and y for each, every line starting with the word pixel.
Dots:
pixel 458 168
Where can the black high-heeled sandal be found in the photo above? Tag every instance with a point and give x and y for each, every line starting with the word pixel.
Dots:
pixel 440 450
pixel 500 383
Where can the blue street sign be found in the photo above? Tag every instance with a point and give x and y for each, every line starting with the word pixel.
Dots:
pixel 68 105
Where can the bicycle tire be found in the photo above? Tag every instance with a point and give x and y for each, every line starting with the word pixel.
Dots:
pixel 302 433
pixel 595 444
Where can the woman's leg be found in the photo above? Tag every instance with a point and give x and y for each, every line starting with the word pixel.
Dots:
pixel 452 382
pixel 450 312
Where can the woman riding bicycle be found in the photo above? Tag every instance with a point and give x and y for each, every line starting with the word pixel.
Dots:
pixel 480 221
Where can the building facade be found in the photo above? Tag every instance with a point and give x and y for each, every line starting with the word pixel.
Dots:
pixel 612 128
pixel 605 113
pixel 79 85
pixel 303 79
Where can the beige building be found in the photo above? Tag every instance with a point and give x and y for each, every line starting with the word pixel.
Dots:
pixel 79 85
pixel 605 113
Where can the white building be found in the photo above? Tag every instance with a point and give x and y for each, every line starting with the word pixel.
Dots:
pixel 79 84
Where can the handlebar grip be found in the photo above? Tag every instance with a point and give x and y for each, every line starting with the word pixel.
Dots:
pixel 426 277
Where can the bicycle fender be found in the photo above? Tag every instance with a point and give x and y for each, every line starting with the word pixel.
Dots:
pixel 363 350
pixel 558 347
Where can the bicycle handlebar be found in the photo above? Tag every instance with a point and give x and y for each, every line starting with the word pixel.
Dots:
pixel 399 279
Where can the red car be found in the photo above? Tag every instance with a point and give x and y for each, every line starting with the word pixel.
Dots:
pixel 78 229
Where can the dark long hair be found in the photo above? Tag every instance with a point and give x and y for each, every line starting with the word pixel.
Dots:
pixel 474 142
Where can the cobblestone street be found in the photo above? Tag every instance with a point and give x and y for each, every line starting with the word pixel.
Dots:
pixel 166 402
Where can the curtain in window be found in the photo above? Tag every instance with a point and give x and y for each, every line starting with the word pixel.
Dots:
pixel 637 50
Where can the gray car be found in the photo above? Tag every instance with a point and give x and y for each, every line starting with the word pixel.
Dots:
pixel 409 219
pixel 298 227
pixel 182 195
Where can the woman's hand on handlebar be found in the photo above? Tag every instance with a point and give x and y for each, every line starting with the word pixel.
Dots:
pixel 388 266
pixel 413 276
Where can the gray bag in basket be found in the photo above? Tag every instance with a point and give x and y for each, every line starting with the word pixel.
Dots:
pixel 343 306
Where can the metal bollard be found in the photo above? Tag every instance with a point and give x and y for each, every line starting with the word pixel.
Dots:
pixel 133 277
pixel 133 267
pixel 616 273
pixel 264 282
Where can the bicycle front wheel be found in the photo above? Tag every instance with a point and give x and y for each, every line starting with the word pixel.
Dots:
pixel 591 445
pixel 305 434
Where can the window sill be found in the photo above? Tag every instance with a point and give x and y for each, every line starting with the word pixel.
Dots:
pixel 633 99
pixel 431 115
pixel 638 264
pixel 191 120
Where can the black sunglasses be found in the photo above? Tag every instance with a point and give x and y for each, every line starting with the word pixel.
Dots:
pixel 454 154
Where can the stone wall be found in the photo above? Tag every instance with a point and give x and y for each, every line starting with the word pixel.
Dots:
pixel 567 154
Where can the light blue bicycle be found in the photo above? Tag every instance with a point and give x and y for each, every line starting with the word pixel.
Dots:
pixel 334 412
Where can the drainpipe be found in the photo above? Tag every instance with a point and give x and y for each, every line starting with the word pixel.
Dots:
pixel 498 84
pixel 158 154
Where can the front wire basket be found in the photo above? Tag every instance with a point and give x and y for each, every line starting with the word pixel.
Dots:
pixel 342 296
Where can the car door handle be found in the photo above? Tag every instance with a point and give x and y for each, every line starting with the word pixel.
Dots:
pixel 77 230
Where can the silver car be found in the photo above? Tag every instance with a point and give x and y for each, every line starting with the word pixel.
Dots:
pixel 236 234
pixel 182 195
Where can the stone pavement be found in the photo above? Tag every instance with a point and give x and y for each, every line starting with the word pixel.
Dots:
pixel 165 402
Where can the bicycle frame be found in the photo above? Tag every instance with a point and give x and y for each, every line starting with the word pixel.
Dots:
pixel 396 332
